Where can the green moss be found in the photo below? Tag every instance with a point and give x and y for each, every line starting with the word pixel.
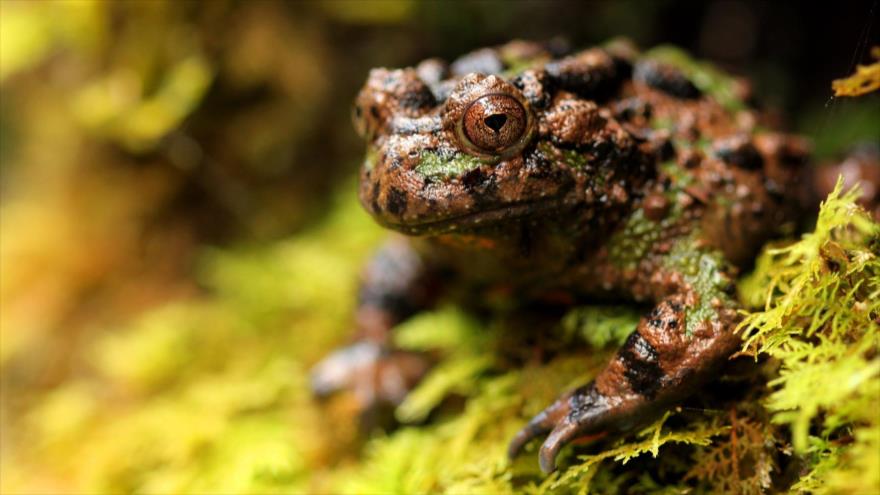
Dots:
pixel 648 441
pixel 821 321
pixel 433 165
pixel 230 411
pixel 600 326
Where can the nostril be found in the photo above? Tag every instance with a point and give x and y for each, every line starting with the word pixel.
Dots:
pixel 495 121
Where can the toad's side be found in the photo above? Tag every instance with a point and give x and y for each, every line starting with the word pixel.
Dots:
pixel 600 173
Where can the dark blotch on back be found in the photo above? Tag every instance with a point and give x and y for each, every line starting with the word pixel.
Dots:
pixel 630 108
pixel 536 86
pixel 622 66
pixel 418 98
pixel 590 74
pixel 666 78
pixel 739 152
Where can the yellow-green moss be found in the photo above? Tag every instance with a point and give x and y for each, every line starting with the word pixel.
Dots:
pixel 225 406
pixel 821 321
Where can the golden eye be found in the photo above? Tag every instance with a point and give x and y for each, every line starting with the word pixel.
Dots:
pixel 494 123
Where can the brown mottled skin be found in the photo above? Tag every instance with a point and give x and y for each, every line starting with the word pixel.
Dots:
pixel 603 172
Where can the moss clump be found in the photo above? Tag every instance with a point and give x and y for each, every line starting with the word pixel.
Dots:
pixel 230 411
pixel 821 321
pixel 865 80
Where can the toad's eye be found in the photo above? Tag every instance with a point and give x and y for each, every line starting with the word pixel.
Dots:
pixel 495 123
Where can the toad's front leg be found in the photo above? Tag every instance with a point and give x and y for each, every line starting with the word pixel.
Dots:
pixel 396 283
pixel 674 349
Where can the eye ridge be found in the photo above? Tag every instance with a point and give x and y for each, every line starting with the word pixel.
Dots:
pixel 495 122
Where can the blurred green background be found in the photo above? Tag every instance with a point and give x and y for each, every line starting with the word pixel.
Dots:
pixel 180 238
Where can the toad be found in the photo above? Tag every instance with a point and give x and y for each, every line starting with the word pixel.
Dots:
pixel 600 173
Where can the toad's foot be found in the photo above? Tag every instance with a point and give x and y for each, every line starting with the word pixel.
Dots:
pixel 375 374
pixel 657 366
pixel 581 412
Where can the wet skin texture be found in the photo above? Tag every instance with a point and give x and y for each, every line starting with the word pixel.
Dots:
pixel 594 174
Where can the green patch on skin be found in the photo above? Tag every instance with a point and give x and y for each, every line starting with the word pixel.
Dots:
pixel 663 123
pixel 704 75
pixel 572 158
pixel 704 144
pixel 516 63
pixel 703 270
pixel 516 66
pixel 434 166
pixel 575 159
pixel 680 176
pixel 634 241
pixel 630 244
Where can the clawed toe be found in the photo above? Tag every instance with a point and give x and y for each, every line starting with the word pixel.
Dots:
pixel 581 411
pixel 541 424
pixel 375 374
pixel 339 370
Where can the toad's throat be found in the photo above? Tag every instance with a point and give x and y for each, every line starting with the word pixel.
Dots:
pixel 486 219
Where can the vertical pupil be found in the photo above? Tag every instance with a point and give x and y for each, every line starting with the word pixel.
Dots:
pixel 495 121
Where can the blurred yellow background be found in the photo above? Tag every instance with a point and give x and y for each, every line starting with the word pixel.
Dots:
pixel 180 238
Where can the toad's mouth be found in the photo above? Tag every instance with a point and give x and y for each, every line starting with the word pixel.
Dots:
pixel 478 220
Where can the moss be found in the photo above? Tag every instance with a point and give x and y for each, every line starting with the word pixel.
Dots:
pixel 866 78
pixel 600 326
pixel 230 411
pixel 821 321
pixel 647 441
